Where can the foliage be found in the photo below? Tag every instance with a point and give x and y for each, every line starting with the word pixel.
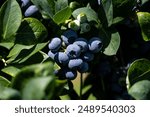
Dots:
pixel 120 69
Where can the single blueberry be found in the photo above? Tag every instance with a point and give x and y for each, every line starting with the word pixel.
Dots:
pixel 55 44
pixel 31 10
pixel 73 51
pixel 75 63
pixel 83 43
pixel 95 44
pixel 69 36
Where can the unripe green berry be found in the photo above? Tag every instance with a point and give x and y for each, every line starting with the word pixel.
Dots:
pixel 85 27
pixel 75 25
pixel 82 18
pixel 73 5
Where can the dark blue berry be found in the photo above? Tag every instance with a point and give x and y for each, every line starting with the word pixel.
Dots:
pixel 69 36
pixel 31 10
pixel 73 51
pixel 24 3
pixel 84 67
pixel 75 63
pixel 55 44
pixel 83 43
pixel 70 74
pixel 88 56
pixel 61 58
pixel 95 44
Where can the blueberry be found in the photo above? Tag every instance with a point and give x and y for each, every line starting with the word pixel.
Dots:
pixel 84 67
pixel 24 3
pixel 65 73
pixel 83 43
pixel 75 63
pixel 55 44
pixel 95 44
pixel 61 58
pixel 73 51
pixel 31 10
pixel 70 74
pixel 51 54
pixel 69 36
pixel 88 56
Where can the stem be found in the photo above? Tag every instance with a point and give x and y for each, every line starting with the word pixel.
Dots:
pixel 81 85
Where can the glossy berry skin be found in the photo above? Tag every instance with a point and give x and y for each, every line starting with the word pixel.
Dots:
pixel 75 63
pixel 82 43
pixel 69 36
pixel 70 74
pixel 73 51
pixel 95 44
pixel 55 44
pixel 88 56
pixel 31 10
pixel 84 67
pixel 61 58
pixel 24 3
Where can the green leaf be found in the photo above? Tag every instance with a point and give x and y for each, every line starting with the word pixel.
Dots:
pixel 7 45
pixel 60 4
pixel 35 88
pixel 62 15
pixel 139 70
pixel 31 31
pixel 11 70
pixel 25 54
pixel 3 83
pixel 144 22
pixel 108 9
pixel 32 71
pixel 113 45
pixel 10 94
pixel 10 20
pixel 17 49
pixel 90 13
pixel 140 90
pixel 46 7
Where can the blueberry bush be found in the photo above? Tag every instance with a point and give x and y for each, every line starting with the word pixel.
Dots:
pixel 74 49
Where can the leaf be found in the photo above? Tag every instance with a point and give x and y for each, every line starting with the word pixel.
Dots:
pixel 90 13
pixel 10 94
pixel 25 54
pixel 46 7
pixel 138 70
pixel 11 70
pixel 62 15
pixel 108 10
pixel 3 83
pixel 7 45
pixel 114 44
pixel 32 71
pixel 31 31
pixel 10 20
pixel 60 4
pixel 17 49
pixel 140 90
pixel 35 88
pixel 144 22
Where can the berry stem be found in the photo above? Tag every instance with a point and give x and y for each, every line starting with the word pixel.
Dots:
pixel 81 85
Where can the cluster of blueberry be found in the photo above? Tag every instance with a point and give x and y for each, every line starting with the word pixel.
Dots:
pixel 28 7
pixel 72 53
